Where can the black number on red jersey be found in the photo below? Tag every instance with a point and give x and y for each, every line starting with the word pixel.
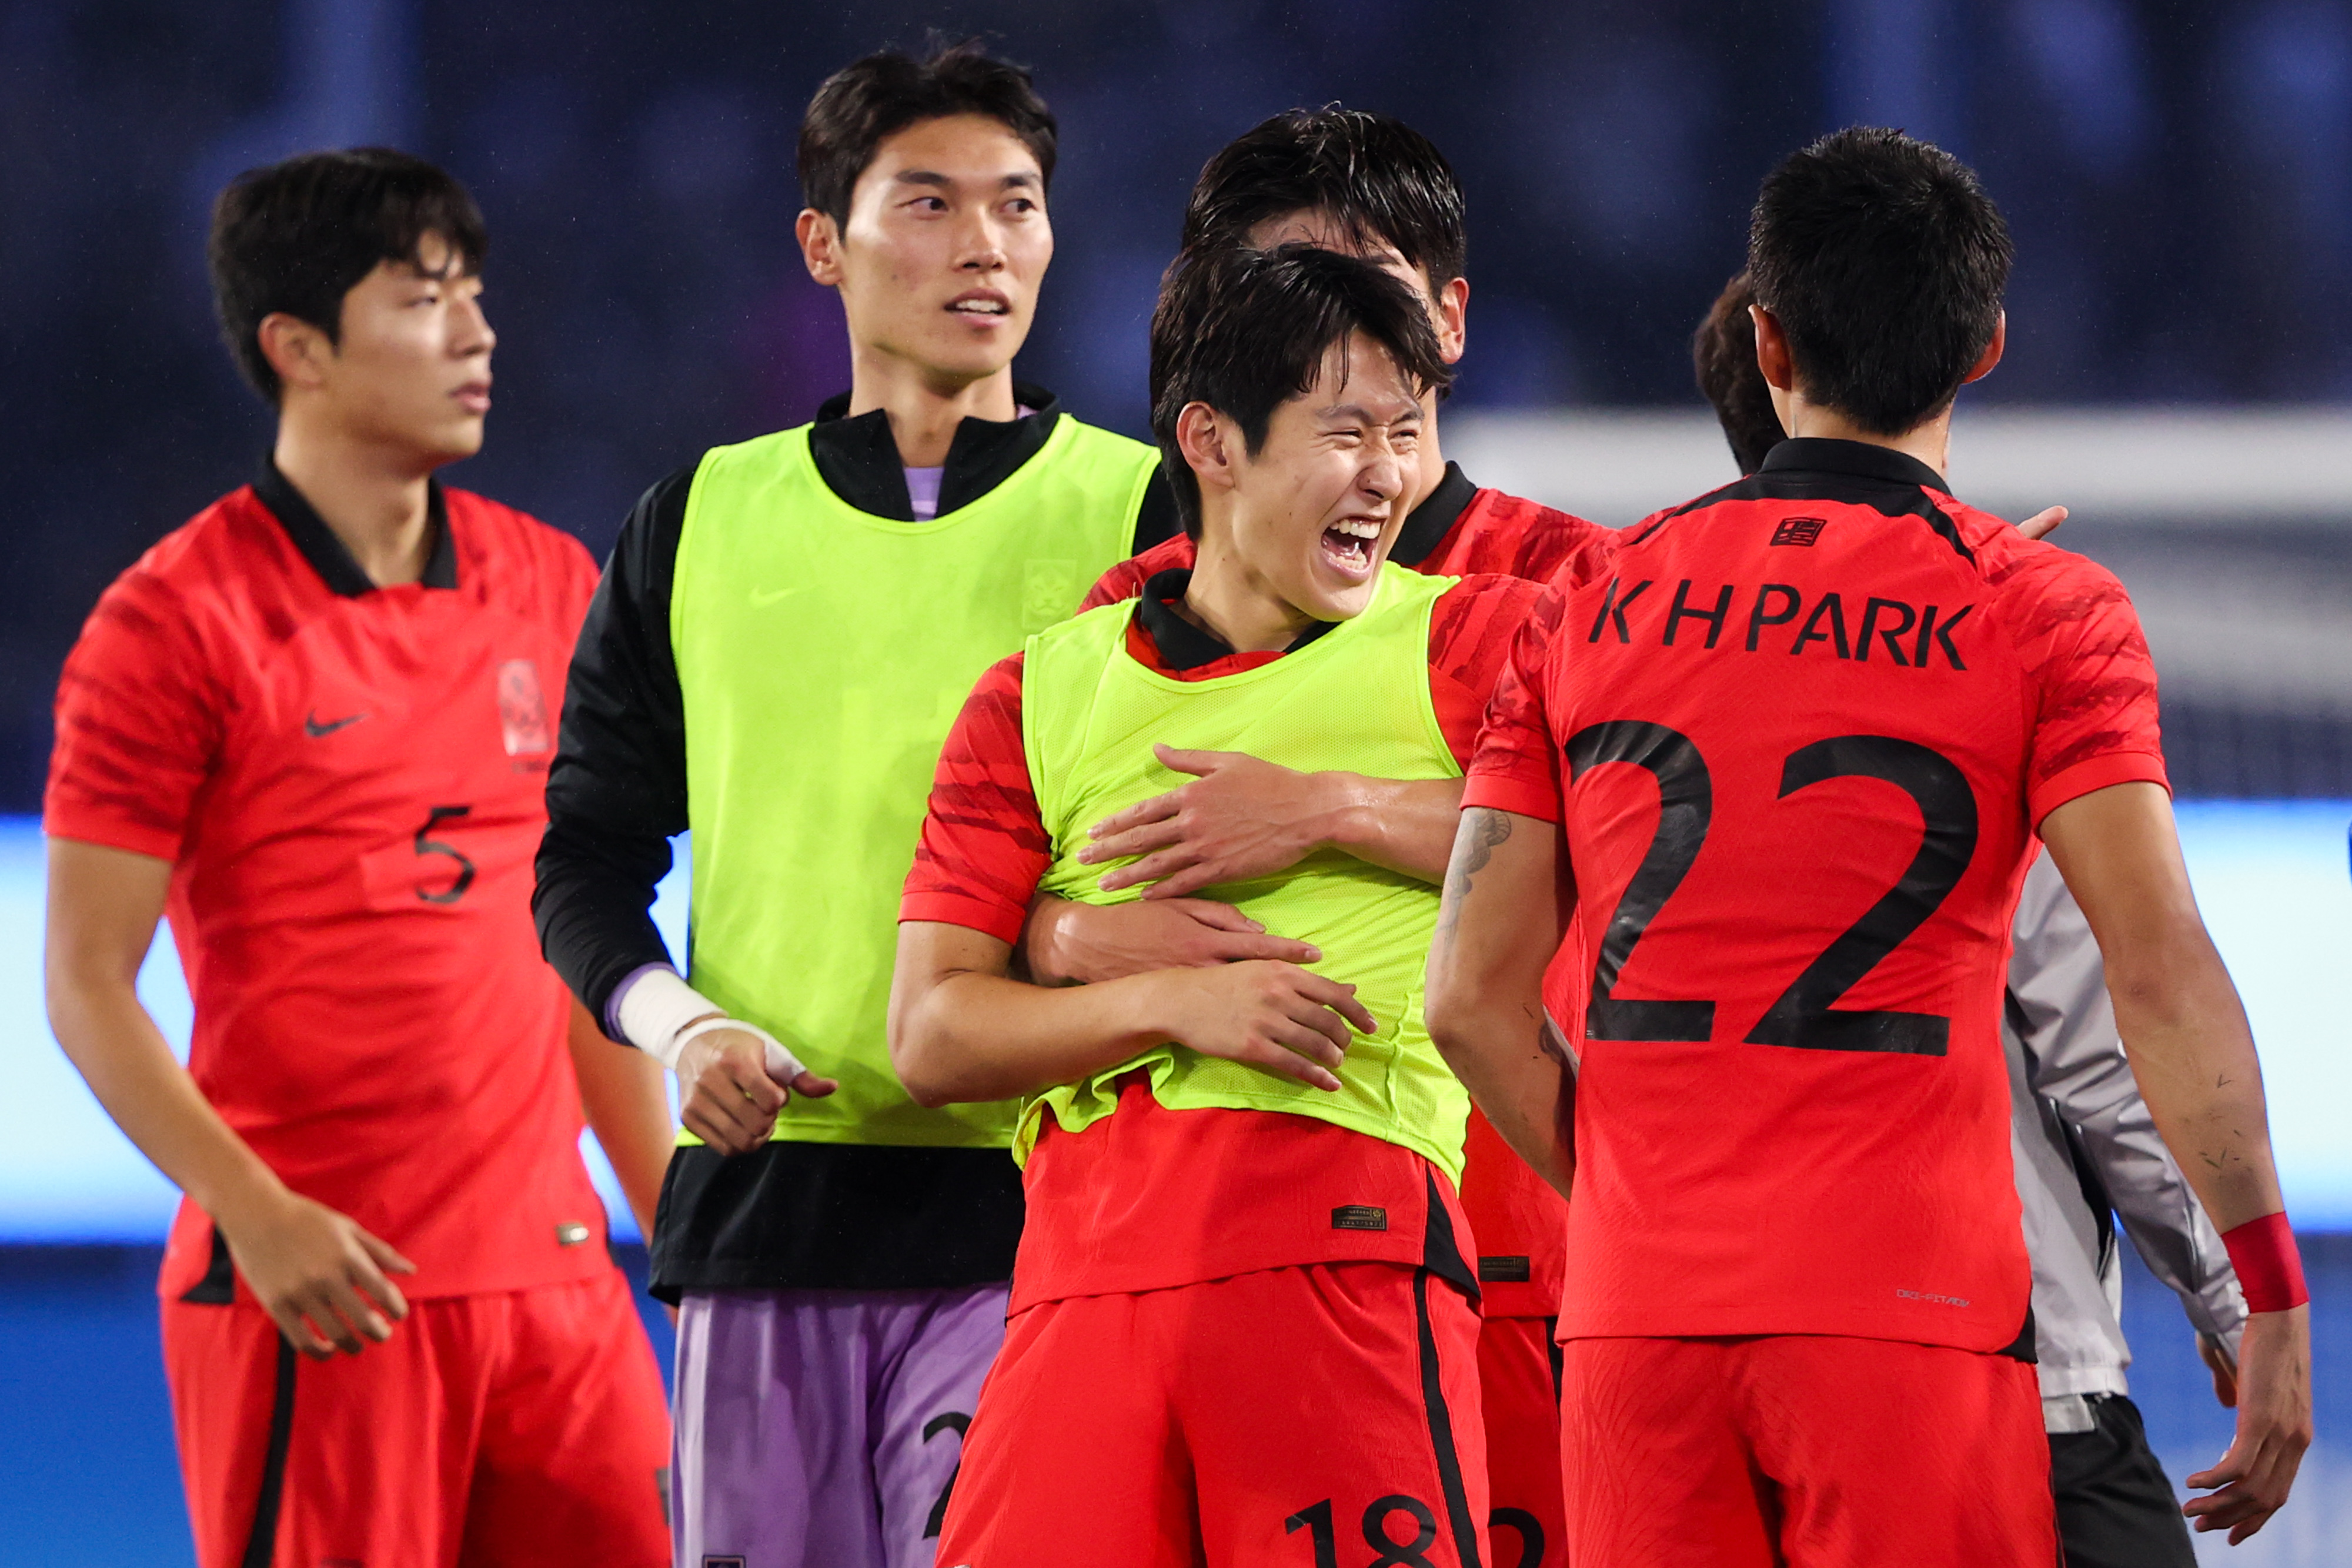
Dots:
pixel 1530 1533
pixel 1803 1016
pixel 1316 1520
pixel 428 846
pixel 1686 806
pixel 1948 842
pixel 958 1422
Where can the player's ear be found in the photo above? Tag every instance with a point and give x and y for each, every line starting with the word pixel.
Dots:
pixel 1991 355
pixel 1772 351
pixel 295 348
pixel 820 240
pixel 1210 443
pixel 1448 307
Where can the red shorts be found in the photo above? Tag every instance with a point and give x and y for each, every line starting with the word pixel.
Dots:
pixel 1288 1417
pixel 1518 1379
pixel 1813 1451
pixel 521 1427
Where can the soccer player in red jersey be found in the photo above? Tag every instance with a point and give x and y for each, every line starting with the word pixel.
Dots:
pixel 2087 1150
pixel 1781 768
pixel 1369 185
pixel 1242 1328
pixel 312 728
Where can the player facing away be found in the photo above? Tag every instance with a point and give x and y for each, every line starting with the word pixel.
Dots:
pixel 1243 1330
pixel 2086 1149
pixel 312 727
pixel 782 639
pixel 1369 185
pixel 1781 768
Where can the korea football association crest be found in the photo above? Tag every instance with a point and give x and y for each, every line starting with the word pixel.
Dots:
pixel 522 709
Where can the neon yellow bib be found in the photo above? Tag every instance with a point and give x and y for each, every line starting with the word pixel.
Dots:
pixel 823 653
pixel 1357 698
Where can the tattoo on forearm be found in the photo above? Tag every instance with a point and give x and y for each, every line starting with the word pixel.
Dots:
pixel 1487 829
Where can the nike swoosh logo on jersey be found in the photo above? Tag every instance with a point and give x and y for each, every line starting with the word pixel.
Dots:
pixel 314 729
pixel 763 597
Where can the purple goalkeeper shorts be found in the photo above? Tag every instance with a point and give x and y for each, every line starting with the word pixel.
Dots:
pixel 822 1428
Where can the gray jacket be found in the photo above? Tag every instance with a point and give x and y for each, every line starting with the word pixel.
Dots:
pixel 2084 1145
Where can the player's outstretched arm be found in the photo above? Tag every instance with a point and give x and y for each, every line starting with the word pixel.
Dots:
pixel 319 1276
pixel 2190 1050
pixel 1505 907
pixel 1243 818
pixel 963 1031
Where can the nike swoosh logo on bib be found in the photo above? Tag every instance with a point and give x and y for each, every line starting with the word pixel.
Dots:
pixel 763 597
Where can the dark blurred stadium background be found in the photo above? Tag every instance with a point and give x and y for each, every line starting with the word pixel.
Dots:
pixel 2178 174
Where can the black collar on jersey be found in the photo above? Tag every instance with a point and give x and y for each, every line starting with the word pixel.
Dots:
pixel 1181 645
pixel 1427 526
pixel 1826 455
pixel 859 457
pixel 1815 467
pixel 325 552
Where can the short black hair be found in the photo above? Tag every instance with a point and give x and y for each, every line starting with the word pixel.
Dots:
pixel 870 100
pixel 1375 176
pixel 1246 330
pixel 1883 260
pixel 1723 354
pixel 297 236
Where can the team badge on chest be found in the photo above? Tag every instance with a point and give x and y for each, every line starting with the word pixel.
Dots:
pixel 522 709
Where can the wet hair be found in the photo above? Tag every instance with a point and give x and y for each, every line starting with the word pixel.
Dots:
pixel 297 236
pixel 1376 177
pixel 871 99
pixel 1884 261
pixel 1723 354
pixel 1245 331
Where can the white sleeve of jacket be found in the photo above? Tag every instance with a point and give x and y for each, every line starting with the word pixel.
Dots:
pixel 2075 1057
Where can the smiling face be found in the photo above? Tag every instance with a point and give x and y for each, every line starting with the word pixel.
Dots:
pixel 946 244
pixel 1309 519
pixel 410 368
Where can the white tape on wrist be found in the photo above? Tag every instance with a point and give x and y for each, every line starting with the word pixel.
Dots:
pixel 660 1013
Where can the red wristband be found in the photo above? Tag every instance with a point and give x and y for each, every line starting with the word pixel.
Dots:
pixel 2269 1269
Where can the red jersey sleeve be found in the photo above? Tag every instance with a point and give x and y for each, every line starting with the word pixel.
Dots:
pixel 2089 676
pixel 984 846
pixel 1516 767
pixel 1126 580
pixel 138 723
pixel 1471 630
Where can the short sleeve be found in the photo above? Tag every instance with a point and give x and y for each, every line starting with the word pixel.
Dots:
pixel 984 846
pixel 138 723
pixel 1472 629
pixel 1516 767
pixel 2090 679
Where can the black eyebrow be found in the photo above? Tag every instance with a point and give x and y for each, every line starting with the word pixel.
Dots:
pixel 933 177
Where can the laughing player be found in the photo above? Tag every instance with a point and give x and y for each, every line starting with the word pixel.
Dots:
pixel 782 639
pixel 1784 765
pixel 311 726
pixel 1242 1330
pixel 1368 185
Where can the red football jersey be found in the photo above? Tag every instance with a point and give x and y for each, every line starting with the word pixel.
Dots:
pixel 1798 739
pixel 349 783
pixel 1486 532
